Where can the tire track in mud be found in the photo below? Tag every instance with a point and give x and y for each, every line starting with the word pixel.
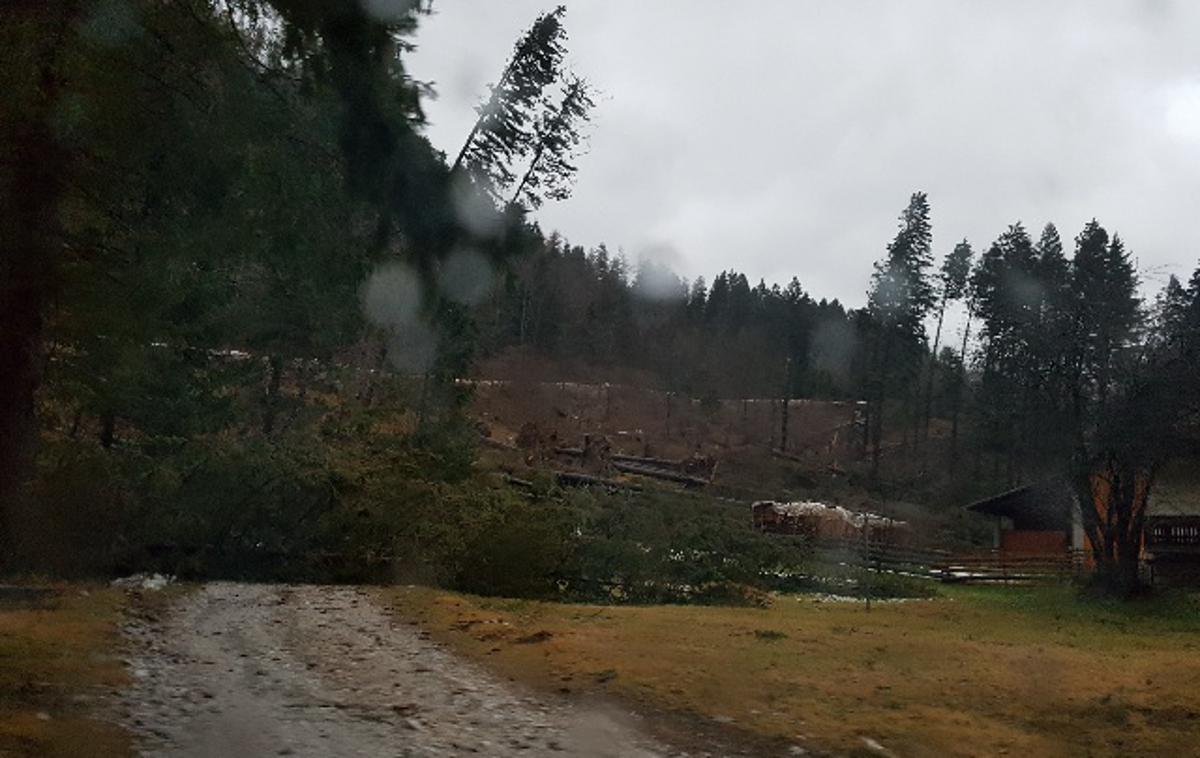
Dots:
pixel 249 670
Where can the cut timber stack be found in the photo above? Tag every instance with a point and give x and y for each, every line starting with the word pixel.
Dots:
pixel 596 452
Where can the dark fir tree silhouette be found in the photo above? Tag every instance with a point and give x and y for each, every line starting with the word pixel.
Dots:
pixel 556 144
pixel 505 130
pixel 900 297
pixel 952 280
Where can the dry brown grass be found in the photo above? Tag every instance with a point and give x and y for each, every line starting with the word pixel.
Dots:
pixel 53 656
pixel 980 673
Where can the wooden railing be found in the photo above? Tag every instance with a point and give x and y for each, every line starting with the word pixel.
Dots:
pixel 1173 532
pixel 998 566
pixel 975 567
pixel 878 555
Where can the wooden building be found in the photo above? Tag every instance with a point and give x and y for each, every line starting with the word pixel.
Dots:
pixel 1036 519
pixel 1044 519
pixel 1172 545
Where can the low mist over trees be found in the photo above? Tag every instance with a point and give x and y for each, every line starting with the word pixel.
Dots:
pixel 593 308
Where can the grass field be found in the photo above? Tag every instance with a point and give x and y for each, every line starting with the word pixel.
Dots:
pixel 56 651
pixel 980 672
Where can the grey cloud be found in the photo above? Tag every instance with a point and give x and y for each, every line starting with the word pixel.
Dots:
pixel 784 137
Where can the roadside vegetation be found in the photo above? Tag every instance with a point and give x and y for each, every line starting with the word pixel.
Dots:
pixel 58 656
pixel 981 671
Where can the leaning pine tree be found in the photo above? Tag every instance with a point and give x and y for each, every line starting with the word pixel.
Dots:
pixel 504 132
pixel 558 139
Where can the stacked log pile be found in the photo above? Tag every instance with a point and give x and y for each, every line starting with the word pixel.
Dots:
pixel 824 521
pixel 596 456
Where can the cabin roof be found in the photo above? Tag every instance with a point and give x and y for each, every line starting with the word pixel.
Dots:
pixel 1176 490
pixel 1041 505
pixel 1046 504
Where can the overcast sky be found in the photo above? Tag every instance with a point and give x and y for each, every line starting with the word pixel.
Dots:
pixel 783 138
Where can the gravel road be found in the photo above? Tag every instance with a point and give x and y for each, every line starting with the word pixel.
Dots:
pixel 264 670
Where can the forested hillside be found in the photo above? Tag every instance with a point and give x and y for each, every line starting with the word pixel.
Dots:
pixel 196 195
pixel 240 288
pixel 595 307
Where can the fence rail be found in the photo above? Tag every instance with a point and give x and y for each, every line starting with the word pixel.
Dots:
pixel 997 566
pixel 946 566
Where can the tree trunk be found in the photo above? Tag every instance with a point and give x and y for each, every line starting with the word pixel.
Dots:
pixel 31 242
pixel 1025 444
pixel 866 428
pixel 462 153
pixel 537 157
pixel 954 430
pixel 1010 467
pixel 958 394
pixel 667 421
pixel 524 311
pixel 1113 501
pixel 784 409
pixel 271 397
pixel 108 429
pixel 880 399
pixel 937 339
pixel 783 424
pixel 422 401
pixel 877 433
pixel 914 414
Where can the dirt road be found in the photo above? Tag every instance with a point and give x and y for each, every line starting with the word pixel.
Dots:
pixel 264 670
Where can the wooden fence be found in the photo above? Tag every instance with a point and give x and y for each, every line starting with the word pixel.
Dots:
pixel 1010 568
pixel 985 566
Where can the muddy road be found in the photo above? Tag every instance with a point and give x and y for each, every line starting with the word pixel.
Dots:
pixel 265 670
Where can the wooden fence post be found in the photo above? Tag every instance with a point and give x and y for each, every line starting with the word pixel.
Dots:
pixel 866 529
